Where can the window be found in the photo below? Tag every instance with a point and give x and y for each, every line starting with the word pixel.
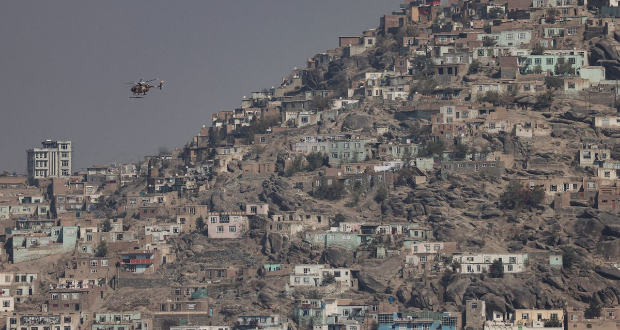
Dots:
pixel 6 303
pixel 510 268
pixel 232 229
pixel 297 281
pixel 525 316
pixel 220 229
pixel 549 61
pixel 571 31
pixel 512 260
pixel 64 155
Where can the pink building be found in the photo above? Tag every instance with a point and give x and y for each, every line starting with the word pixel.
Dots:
pixel 226 225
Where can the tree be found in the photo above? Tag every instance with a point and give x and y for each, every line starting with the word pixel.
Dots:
pixel 431 148
pixel 106 225
pixel 424 86
pixel 568 257
pixel 497 269
pixel 328 278
pixel 315 160
pixel 488 41
pixel 492 97
pixel 554 82
pixel 496 12
pixel 511 198
pixel 407 31
pixel 538 49
pixel 474 67
pixel 200 224
pixel 314 78
pixel 423 66
pixel 593 310
pixel 163 151
pixel 536 196
pixel 461 151
pixel 551 15
pixel 406 177
pixel 356 192
pixel 544 100
pixel 295 166
pixel 563 67
pixel 517 196
pixel 332 192
pixel 553 323
pixel 101 250
pixel 322 103
pixel 537 69
pixel 381 194
pixel 338 218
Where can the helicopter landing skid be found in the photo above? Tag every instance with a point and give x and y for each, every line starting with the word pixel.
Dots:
pixel 136 97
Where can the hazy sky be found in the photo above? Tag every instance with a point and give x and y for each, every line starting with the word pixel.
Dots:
pixel 63 65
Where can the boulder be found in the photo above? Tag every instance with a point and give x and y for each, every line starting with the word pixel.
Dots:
pixel 337 256
pixel 357 122
pixel 403 294
pixel 491 213
pixel 370 284
pixel 609 249
pixel 612 230
pixel 608 272
pixel 197 248
pixel 523 298
pixel 608 49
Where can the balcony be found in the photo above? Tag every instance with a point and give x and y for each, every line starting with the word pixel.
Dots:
pixel 138 261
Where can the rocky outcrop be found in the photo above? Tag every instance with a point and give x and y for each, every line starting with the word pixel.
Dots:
pixel 608 272
pixel 369 284
pixel 356 122
pixel 337 257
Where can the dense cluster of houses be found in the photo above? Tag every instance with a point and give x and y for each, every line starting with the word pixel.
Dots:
pixel 56 211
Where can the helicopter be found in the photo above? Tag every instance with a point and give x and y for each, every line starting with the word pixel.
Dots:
pixel 140 88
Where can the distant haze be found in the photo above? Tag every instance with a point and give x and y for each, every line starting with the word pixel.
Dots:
pixel 63 65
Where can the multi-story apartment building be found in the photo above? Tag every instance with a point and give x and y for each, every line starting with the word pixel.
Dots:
pixel 43 321
pixel 53 160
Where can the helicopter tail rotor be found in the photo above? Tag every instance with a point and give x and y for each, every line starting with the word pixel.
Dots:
pixel 161 83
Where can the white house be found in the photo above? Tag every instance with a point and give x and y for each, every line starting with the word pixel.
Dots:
pixel 478 263
pixel 312 275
